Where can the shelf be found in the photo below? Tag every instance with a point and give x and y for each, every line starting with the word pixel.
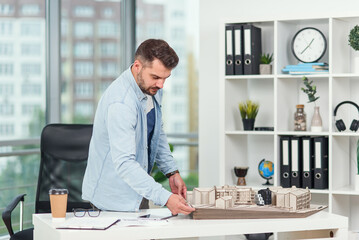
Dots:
pixel 306 133
pixel 249 132
pixel 234 77
pixel 285 76
pixel 347 190
pixel 346 75
pixel 319 191
pixel 345 134
pixel 278 94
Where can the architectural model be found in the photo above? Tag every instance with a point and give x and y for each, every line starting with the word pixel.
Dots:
pixel 241 202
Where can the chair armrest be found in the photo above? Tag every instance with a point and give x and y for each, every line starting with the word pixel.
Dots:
pixel 6 215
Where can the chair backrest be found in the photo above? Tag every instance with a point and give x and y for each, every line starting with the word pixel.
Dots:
pixel 64 152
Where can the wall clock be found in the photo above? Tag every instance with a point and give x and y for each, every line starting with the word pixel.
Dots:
pixel 309 45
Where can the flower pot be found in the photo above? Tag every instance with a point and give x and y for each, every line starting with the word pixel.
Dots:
pixel 355 65
pixel 265 69
pixel 248 124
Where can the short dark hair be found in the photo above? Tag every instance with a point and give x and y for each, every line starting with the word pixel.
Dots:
pixel 157 48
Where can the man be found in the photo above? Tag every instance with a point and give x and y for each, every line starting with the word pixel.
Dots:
pixel 128 138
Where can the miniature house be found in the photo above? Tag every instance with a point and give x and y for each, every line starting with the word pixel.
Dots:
pixel 293 198
pixel 226 191
pixel 203 196
pixel 244 196
pixel 225 202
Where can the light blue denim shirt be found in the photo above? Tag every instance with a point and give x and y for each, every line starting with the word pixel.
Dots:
pixel 116 176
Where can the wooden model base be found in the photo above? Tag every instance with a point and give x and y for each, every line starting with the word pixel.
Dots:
pixel 252 212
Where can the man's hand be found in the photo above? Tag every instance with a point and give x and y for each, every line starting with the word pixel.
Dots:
pixel 177 204
pixel 177 185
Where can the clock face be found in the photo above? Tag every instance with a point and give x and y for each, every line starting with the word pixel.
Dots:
pixel 309 45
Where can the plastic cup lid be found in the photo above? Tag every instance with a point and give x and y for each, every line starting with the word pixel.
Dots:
pixel 57 191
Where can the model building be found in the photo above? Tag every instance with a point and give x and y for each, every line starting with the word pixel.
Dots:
pixel 235 202
pixel 226 197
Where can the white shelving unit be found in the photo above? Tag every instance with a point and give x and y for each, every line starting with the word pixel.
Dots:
pixel 278 95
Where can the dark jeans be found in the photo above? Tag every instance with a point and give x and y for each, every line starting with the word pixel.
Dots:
pixel 144 204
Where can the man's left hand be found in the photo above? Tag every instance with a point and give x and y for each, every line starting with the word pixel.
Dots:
pixel 178 186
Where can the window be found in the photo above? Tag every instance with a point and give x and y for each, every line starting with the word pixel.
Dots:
pixel 31 49
pixel 22 42
pixel 7 129
pixel 30 29
pixel 155 30
pixel 6 89
pixel 83 29
pixel 107 12
pixel 31 69
pixel 84 109
pixel 6 9
pixel 6 28
pixel 64 27
pixel 109 49
pixel 31 89
pixel 6 69
pixel 83 49
pixel 177 22
pixel 104 85
pixel 29 109
pixel 83 69
pixel 30 9
pixel 6 109
pixel 84 89
pixel 83 11
pixel 109 69
pixel 178 90
pixel 90 55
pixel 6 49
pixel 107 29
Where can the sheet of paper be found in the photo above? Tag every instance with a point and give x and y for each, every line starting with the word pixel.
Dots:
pixel 101 222
pixel 141 222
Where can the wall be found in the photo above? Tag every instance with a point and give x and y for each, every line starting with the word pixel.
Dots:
pixel 212 13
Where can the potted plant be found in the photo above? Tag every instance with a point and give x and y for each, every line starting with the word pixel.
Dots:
pixel 249 111
pixel 311 90
pixel 265 66
pixel 354 43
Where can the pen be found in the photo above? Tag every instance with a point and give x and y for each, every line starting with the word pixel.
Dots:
pixel 189 204
pixel 164 218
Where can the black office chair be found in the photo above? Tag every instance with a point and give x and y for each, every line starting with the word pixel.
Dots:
pixel 64 151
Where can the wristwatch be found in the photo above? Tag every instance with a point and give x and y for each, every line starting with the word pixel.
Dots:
pixel 168 175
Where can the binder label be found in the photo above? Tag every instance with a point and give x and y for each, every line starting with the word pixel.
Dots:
pixel 237 47
pixel 229 42
pixel 318 150
pixel 295 155
pixel 306 156
pixel 247 42
pixel 285 153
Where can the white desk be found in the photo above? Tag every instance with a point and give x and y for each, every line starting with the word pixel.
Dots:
pixel 317 225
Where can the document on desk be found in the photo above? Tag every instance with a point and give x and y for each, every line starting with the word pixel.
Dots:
pixel 88 223
pixel 141 222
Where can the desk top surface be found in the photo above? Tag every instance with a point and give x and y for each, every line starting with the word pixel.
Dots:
pixel 184 226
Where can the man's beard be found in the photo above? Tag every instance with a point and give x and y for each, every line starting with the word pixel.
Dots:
pixel 141 84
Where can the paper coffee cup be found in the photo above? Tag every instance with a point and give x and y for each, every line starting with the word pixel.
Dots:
pixel 58 202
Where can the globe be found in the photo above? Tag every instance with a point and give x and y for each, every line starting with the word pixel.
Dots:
pixel 266 170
